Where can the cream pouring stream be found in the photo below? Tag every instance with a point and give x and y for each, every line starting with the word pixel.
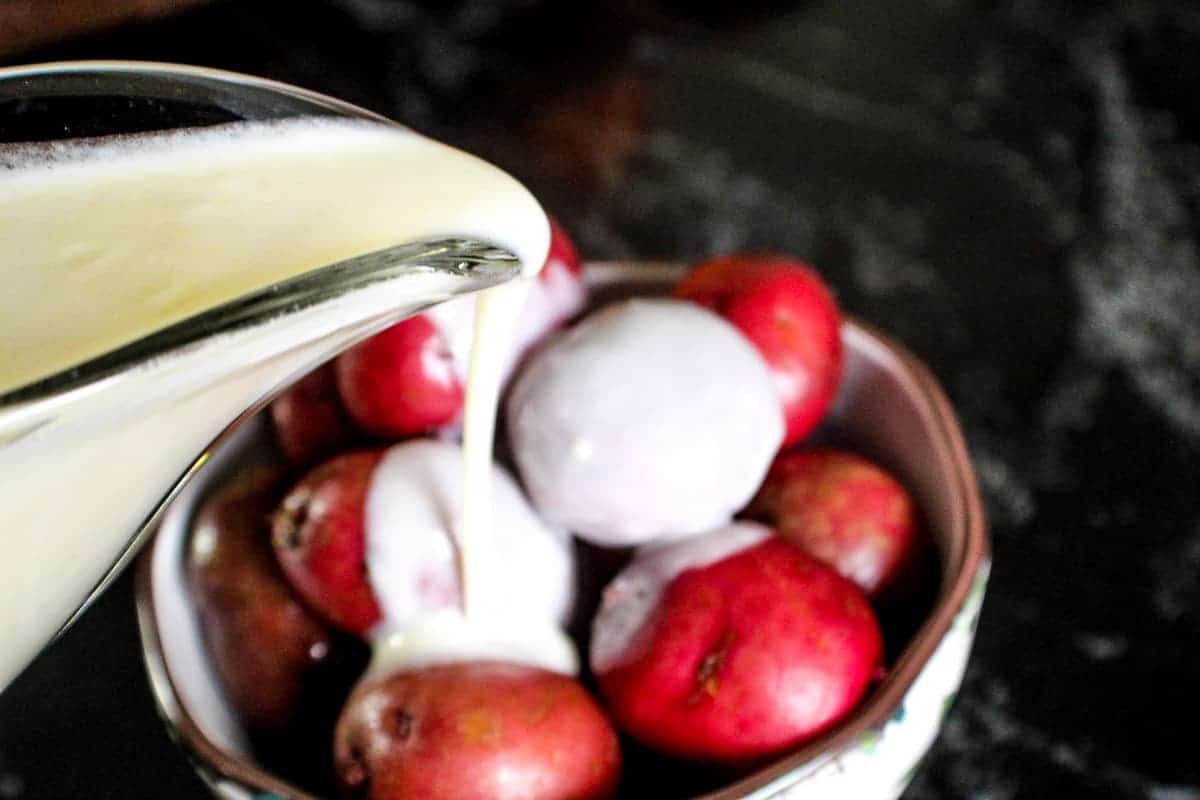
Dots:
pixel 484 628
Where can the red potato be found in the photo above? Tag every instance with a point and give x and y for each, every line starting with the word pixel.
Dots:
pixel 789 314
pixel 309 419
pixel 476 731
pixel 732 647
pixel 844 510
pixel 320 541
pixel 563 258
pixel 410 495
pixel 402 381
pixel 284 671
pixel 410 379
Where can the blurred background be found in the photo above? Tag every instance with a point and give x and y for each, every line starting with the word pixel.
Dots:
pixel 1010 188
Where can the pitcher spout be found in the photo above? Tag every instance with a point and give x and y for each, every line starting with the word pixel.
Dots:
pixel 100 448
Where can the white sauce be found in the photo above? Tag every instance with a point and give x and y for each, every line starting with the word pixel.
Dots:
pixel 635 592
pixel 524 578
pixel 553 298
pixel 105 243
pixel 651 418
pixel 449 637
pixel 492 622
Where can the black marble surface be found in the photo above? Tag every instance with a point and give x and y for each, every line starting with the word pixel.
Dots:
pixel 1010 188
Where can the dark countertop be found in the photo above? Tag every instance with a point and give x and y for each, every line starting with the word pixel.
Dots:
pixel 1011 189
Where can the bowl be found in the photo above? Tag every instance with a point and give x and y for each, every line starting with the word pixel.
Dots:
pixel 888 408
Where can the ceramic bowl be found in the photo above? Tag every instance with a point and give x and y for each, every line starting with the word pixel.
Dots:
pixel 889 408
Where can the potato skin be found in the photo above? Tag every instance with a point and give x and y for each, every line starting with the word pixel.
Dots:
pixel 845 511
pixel 790 315
pixel 476 731
pixel 320 540
pixel 310 421
pixel 284 671
pixel 745 658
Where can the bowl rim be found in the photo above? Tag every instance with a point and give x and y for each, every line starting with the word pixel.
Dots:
pixel 886 698
pixel 937 413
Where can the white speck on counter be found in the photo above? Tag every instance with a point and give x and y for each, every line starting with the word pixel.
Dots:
pixel 11 785
pixel 1101 648
pixel 1138 275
